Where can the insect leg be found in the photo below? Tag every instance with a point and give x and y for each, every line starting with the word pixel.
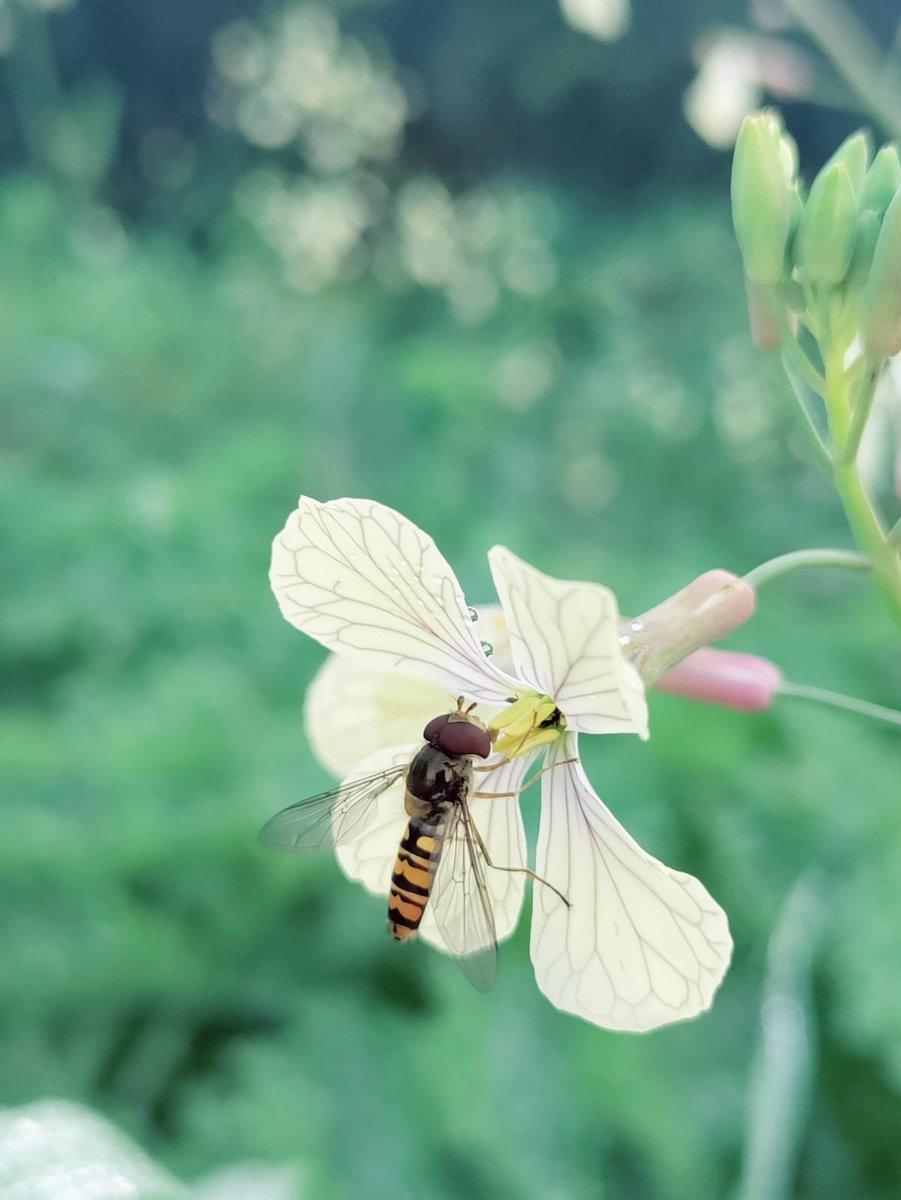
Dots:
pixel 519 870
pixel 527 784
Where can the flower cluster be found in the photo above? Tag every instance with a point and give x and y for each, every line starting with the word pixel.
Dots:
pixel 824 284
pixel 638 945
pixel 830 259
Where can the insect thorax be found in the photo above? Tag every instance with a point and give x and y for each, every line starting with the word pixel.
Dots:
pixel 435 781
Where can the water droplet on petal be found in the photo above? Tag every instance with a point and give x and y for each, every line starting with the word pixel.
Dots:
pixel 487 649
pixel 624 639
pixel 636 626
pixel 473 615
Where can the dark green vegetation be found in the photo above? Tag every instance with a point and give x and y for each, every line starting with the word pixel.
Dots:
pixel 162 407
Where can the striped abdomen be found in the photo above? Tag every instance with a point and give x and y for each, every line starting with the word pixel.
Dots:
pixel 414 868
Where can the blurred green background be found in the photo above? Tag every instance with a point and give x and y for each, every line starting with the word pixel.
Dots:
pixel 474 261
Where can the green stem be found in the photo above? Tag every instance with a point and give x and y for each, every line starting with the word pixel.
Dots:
pixel 894 536
pixel 870 535
pixel 862 517
pixel 817 695
pixel 807 422
pixel 862 406
pixel 784 1066
pixel 847 560
pixel 796 356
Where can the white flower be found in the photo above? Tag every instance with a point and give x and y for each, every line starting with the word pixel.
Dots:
pixel 640 945
pixel 353 709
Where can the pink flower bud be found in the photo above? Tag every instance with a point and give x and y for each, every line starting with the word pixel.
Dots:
pixel 708 609
pixel 724 677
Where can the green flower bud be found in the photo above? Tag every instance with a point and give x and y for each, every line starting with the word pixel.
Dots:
pixel 854 155
pixel 788 154
pixel 796 212
pixel 880 324
pixel 846 316
pixel 825 240
pixel 761 196
pixel 882 181
pixel 868 226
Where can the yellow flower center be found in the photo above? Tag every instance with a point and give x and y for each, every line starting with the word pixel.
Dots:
pixel 531 721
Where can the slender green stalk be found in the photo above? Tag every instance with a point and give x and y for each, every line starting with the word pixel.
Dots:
pixel 847 560
pixel 784 1065
pixel 871 535
pixel 794 354
pixel 862 406
pixel 806 418
pixel 862 516
pixel 817 695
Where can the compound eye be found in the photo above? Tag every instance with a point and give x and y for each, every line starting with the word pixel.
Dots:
pixel 462 737
pixel 432 731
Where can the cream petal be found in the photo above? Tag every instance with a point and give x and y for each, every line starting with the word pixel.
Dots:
pixel 353 708
pixel 564 638
pixel 641 945
pixel 363 580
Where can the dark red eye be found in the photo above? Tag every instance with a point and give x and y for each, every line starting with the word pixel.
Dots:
pixel 456 737
pixel 434 727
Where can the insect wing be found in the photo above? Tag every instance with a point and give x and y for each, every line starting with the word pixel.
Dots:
pixel 460 905
pixel 330 818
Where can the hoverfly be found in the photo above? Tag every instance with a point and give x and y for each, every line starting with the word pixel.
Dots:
pixel 441 860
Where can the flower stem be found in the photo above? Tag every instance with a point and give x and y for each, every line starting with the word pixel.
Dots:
pixel 862 406
pixel 793 354
pixel 805 414
pixel 817 695
pixel 785 1060
pixel 847 560
pixel 862 517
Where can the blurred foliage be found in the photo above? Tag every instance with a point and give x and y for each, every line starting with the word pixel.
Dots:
pixel 161 414
pixel 504 361
pixel 490 89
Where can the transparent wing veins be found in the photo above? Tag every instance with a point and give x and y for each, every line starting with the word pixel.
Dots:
pixel 461 903
pixel 335 817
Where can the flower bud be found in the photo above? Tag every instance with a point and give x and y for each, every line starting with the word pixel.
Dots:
pixel 828 227
pixel 710 607
pixel 880 324
pixel 854 155
pixel 882 181
pixel 762 185
pixel 725 677
pixel 868 226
